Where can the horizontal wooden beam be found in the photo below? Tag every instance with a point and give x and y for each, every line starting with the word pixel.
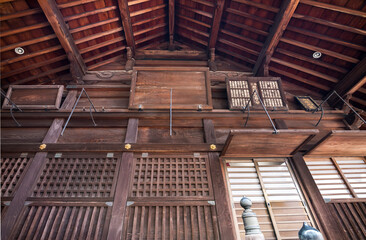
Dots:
pixel 147 10
pixel 102 44
pixel 20 14
pixel 329 24
pixel 241 37
pixel 93 25
pixel 202 13
pixel 31 55
pixel 246 27
pixel 305 70
pixel 180 16
pixel 23 29
pixel 86 14
pixel 251 16
pixel 298 78
pixel 316 62
pixel 334 8
pixel 105 62
pixel 319 49
pixel 97 35
pixel 282 19
pixel 326 38
pixel 110 147
pixel 106 53
pixel 27 43
pixel 75 3
pixel 33 66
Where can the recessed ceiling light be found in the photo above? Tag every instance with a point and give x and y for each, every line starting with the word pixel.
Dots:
pixel 317 55
pixel 19 50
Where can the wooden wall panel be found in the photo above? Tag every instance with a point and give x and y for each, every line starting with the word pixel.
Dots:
pixel 61 222
pixel 161 135
pixel 352 215
pixel 93 135
pixel 180 221
pixel 22 135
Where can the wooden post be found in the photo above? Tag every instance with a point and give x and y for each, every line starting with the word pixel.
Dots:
pixel 34 171
pixel 328 223
pixel 216 21
pixel 126 22
pixel 223 206
pixel 171 24
pixel 123 183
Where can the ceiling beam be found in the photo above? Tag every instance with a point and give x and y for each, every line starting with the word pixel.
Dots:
pixel 354 80
pixel 171 23
pixel 282 19
pixel 334 8
pixel 56 20
pixel 215 27
pixel 126 23
pixel 63 34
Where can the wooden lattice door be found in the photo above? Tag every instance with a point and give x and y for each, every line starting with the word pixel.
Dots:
pixel 171 197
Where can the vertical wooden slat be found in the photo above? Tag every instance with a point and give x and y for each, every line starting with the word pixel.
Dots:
pixel 41 222
pixel 268 203
pixel 49 222
pixel 340 172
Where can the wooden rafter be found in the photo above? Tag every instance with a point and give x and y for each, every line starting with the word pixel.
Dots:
pixel 63 34
pixel 215 27
pixel 354 80
pixel 171 23
pixel 126 23
pixel 334 8
pixel 279 26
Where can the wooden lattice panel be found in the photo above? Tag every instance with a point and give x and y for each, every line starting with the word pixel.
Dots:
pixel 171 222
pixel 62 222
pixel 11 171
pixel 240 90
pixel 167 176
pixel 77 177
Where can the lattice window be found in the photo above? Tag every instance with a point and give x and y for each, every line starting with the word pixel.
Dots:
pixel 171 222
pixel 11 171
pixel 62 222
pixel 167 176
pixel 77 177
pixel 269 89
pixel 339 177
pixel 274 193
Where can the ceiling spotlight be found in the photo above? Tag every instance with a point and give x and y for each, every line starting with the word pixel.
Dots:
pixel 19 50
pixel 317 55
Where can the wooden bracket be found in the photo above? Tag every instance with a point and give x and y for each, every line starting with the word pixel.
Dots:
pixel 130 60
pixel 211 61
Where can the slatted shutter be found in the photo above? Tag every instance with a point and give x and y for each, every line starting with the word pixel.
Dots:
pixel 339 177
pixel 274 193
pixel 171 197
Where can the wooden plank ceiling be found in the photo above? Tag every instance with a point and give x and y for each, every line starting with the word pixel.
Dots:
pixel 280 36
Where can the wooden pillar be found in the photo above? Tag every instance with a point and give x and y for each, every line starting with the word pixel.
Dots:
pixel 34 171
pixel 123 183
pixel 329 224
pixel 221 194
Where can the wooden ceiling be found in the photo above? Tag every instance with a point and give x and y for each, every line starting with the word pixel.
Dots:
pixel 274 35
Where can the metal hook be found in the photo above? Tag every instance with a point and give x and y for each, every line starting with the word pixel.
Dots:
pixel 321 116
pixel 11 113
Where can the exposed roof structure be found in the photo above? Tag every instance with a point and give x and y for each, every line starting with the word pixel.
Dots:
pixel 280 36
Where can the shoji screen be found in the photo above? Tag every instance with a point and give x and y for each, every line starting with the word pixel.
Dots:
pixel 274 193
